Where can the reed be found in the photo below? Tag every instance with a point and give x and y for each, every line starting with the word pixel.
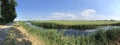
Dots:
pixel 52 37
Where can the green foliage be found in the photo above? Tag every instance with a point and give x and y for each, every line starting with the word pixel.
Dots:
pixel 113 34
pixel 65 25
pixel 100 38
pixel 52 37
pixel 8 13
pixel 77 22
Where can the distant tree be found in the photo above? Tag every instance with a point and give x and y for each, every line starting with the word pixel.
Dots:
pixel 112 20
pixel 8 12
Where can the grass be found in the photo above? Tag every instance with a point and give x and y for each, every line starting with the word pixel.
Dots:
pixel 74 24
pixel 78 22
pixel 52 37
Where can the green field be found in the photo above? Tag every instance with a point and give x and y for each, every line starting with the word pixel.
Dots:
pixel 74 24
pixel 78 22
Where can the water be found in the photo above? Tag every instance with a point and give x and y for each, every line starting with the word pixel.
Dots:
pixel 29 23
pixel 78 32
pixel 87 32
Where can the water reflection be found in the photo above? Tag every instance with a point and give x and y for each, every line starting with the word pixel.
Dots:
pixel 87 32
pixel 77 32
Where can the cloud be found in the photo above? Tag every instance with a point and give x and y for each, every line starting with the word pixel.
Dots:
pixel 88 12
pixel 91 14
pixel 63 16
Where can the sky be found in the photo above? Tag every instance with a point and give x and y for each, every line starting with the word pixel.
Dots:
pixel 68 10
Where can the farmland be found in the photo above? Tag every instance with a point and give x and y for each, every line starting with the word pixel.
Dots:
pixel 74 24
pixel 78 22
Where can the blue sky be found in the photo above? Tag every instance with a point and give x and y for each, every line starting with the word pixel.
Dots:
pixel 68 9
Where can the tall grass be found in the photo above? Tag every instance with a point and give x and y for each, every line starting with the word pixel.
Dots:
pixel 49 25
pixel 83 26
pixel 52 37
pixel 78 22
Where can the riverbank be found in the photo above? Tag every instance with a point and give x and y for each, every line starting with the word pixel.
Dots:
pixel 81 25
pixel 74 32
pixel 52 37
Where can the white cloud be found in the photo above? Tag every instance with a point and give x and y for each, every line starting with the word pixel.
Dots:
pixel 63 16
pixel 91 14
pixel 88 12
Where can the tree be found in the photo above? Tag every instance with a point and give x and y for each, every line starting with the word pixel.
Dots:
pixel 13 4
pixel 8 12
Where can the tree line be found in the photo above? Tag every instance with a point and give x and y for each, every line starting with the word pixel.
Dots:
pixel 8 12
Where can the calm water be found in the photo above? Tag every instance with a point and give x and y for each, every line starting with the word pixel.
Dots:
pixel 87 32
pixel 78 32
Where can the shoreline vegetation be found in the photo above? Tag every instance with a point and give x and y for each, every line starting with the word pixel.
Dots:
pixel 52 37
pixel 77 25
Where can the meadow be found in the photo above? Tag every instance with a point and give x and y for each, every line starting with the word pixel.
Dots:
pixel 74 24
pixel 52 37
pixel 78 22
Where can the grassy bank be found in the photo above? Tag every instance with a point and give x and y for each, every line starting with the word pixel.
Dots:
pixel 78 22
pixel 52 37
pixel 79 25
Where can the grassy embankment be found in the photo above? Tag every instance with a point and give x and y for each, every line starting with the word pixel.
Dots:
pixel 51 37
pixel 79 25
